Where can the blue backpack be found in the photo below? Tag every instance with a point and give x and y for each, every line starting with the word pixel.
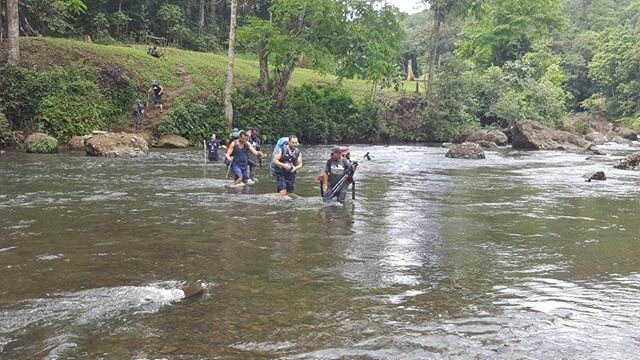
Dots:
pixel 282 142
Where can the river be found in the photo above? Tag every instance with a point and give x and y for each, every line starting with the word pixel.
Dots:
pixel 511 257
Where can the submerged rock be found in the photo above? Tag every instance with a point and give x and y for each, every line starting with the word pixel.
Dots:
pixel 626 133
pixel 630 162
pixel 192 290
pixel 116 145
pixel 594 175
pixel 172 141
pixel 465 150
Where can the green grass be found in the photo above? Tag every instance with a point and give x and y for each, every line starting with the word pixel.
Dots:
pixel 206 69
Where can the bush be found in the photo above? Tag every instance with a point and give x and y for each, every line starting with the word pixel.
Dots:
pixel 41 144
pixel 195 122
pixel 65 101
pixel 6 136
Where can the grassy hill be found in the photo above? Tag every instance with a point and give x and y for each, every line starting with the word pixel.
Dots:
pixel 205 69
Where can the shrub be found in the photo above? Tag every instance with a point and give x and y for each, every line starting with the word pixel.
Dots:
pixel 6 136
pixel 195 122
pixel 41 144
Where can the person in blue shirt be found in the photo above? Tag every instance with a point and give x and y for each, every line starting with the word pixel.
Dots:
pixel 238 155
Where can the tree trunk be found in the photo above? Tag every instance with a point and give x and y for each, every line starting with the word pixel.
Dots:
pixel 228 89
pixel 212 9
pixel 264 67
pixel 280 87
pixel 433 46
pixel 201 23
pixel 13 31
pixel 1 20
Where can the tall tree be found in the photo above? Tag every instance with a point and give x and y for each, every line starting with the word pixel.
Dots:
pixel 13 31
pixel 442 10
pixel 231 56
pixel 507 29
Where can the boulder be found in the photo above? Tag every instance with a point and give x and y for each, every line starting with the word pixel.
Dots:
pixel 626 133
pixel 192 290
pixel 41 143
pixel 629 162
pixel 596 138
pixel 587 123
pixel 530 135
pixel 116 145
pixel 594 175
pixel 493 136
pixel 499 137
pixel 466 150
pixel 487 144
pixel 77 142
pixel 614 137
pixel 172 141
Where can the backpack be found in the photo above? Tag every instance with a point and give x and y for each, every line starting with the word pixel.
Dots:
pixel 280 145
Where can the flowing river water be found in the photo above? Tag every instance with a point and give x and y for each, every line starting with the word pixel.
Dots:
pixel 511 257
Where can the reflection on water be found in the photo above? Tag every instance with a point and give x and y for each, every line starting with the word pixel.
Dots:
pixel 512 257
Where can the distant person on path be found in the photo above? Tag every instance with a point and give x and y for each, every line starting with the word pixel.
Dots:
pixel 153 51
pixel 253 161
pixel 238 155
pixel 157 94
pixel 288 160
pixel 138 112
pixel 212 148
pixel 336 168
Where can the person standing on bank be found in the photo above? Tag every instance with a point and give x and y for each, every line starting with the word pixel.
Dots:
pixel 157 94
pixel 336 168
pixel 288 160
pixel 238 155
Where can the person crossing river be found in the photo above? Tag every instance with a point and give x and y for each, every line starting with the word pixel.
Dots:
pixel 238 155
pixel 288 160
pixel 334 176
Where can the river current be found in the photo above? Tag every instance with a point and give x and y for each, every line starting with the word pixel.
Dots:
pixel 511 257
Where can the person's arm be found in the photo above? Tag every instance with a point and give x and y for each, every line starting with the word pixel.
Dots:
pixel 161 90
pixel 298 164
pixel 253 150
pixel 325 178
pixel 276 161
pixel 229 152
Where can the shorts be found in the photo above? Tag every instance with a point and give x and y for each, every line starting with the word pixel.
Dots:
pixel 240 171
pixel 157 99
pixel 285 183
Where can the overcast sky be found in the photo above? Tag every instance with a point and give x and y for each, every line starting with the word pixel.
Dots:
pixel 408 6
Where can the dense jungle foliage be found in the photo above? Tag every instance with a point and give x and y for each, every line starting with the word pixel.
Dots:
pixel 479 64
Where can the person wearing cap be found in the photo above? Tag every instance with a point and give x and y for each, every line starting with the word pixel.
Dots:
pixel 337 167
pixel 157 94
pixel 238 155
pixel 288 161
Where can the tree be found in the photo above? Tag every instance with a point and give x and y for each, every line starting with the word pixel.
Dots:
pixel 441 10
pixel 370 46
pixel 228 89
pixel 507 29
pixel 13 31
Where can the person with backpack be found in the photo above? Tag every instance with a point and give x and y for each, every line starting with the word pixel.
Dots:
pixel 157 94
pixel 212 148
pixel 253 161
pixel 138 112
pixel 238 156
pixel 287 161
pixel 336 168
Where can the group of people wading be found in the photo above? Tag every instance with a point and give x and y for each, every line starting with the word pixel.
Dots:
pixel 243 154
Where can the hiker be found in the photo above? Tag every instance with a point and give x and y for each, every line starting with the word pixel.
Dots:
pixel 138 112
pixel 157 94
pixel 253 161
pixel 287 160
pixel 238 155
pixel 153 51
pixel 212 148
pixel 336 168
